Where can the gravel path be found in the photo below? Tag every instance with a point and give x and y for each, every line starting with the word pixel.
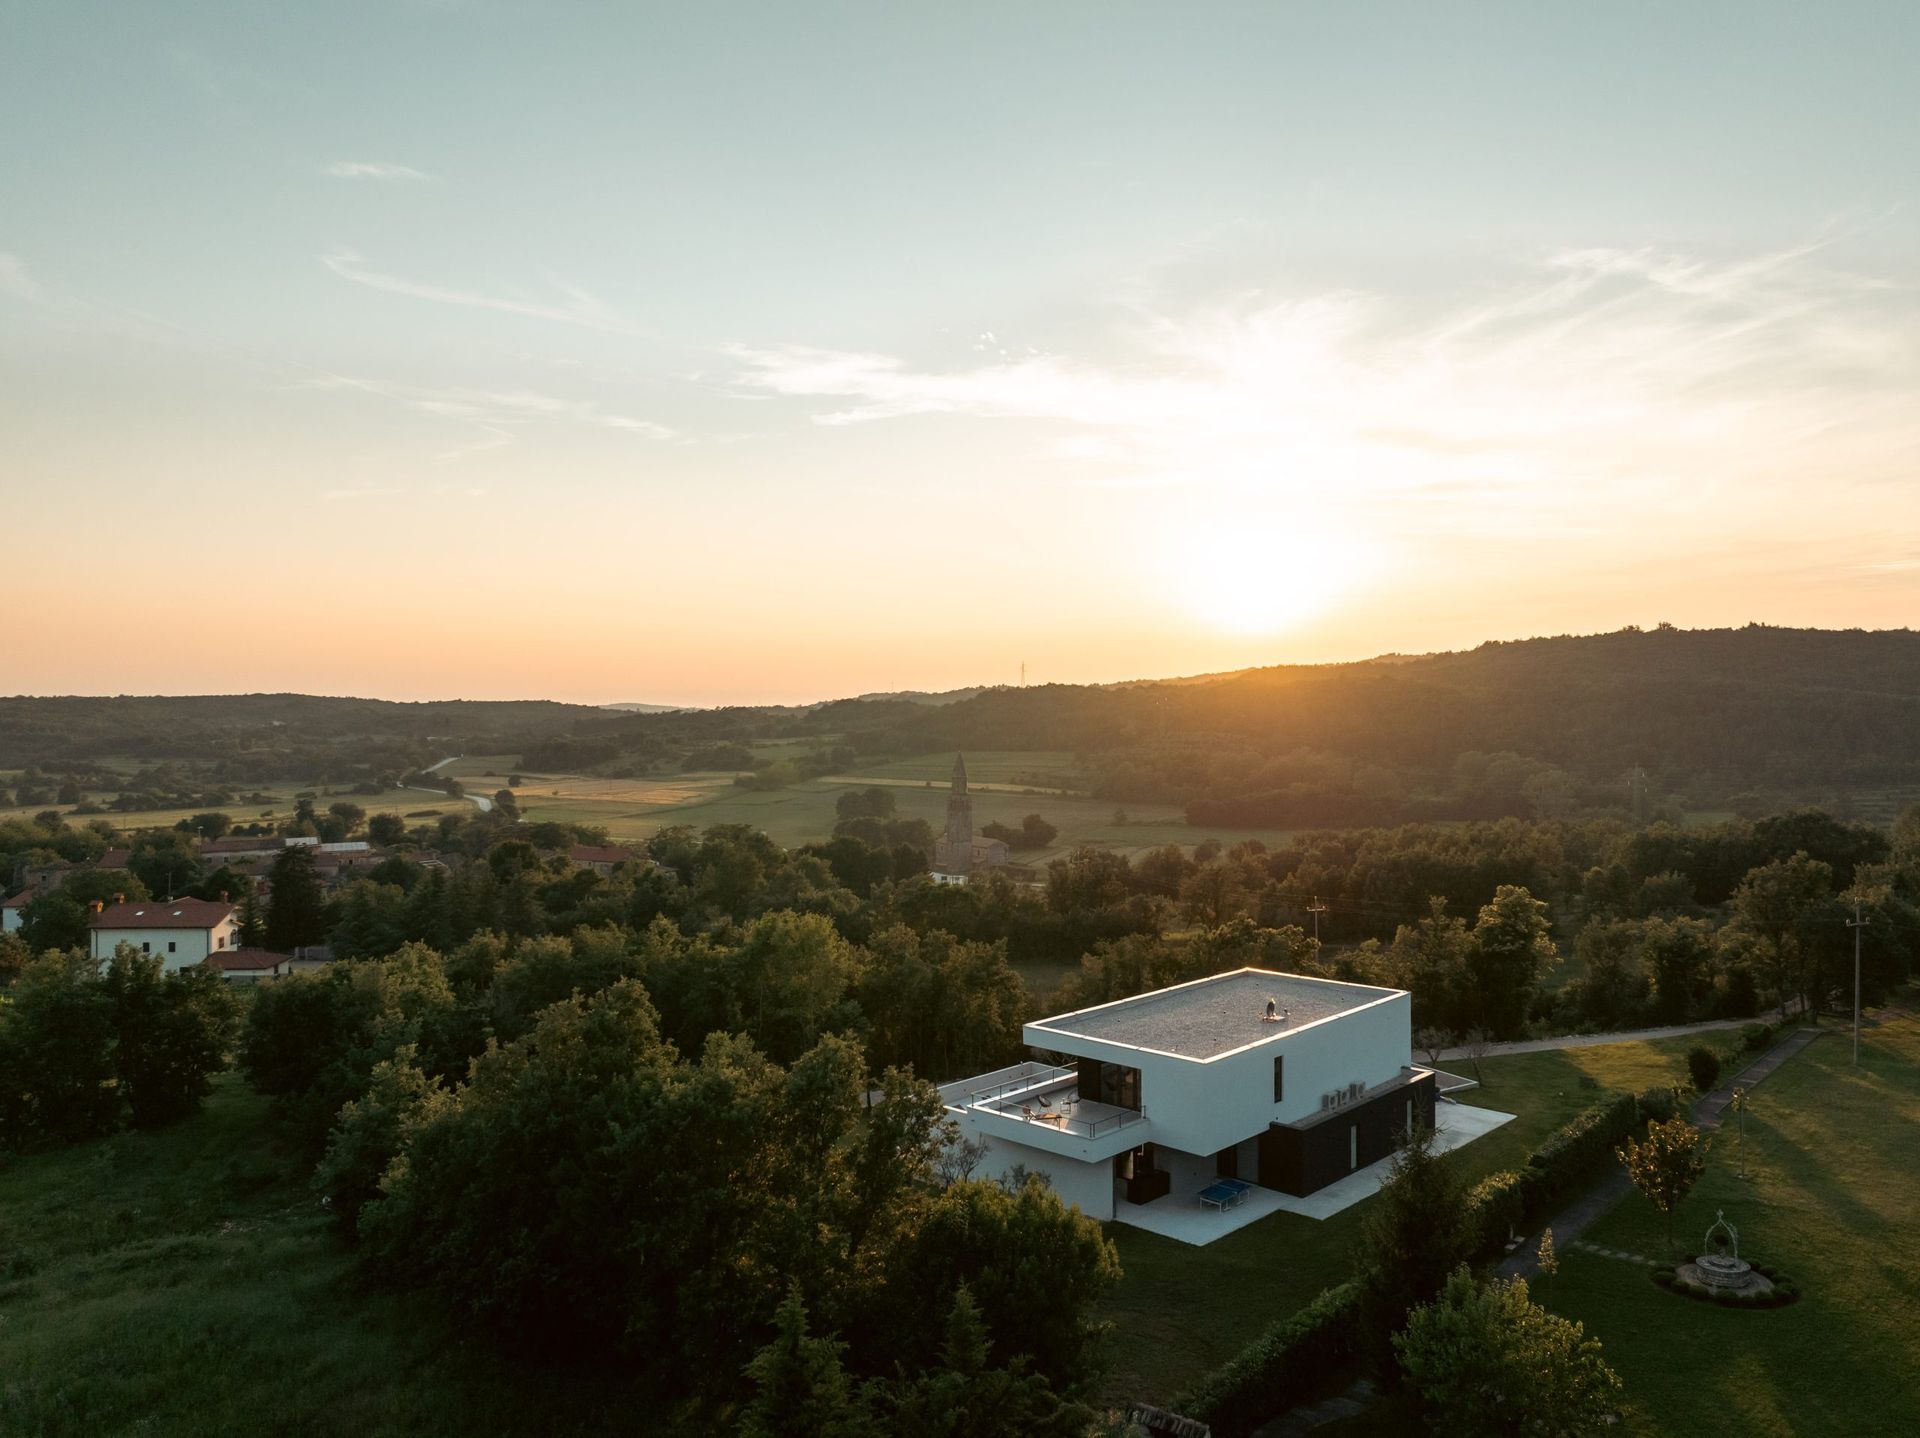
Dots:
pixel 1587 1041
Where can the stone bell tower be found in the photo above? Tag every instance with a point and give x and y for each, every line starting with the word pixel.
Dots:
pixel 953 853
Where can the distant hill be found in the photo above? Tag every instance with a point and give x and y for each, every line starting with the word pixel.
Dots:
pixel 1633 722
pixel 648 708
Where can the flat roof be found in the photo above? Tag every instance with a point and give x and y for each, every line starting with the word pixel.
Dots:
pixel 1213 1016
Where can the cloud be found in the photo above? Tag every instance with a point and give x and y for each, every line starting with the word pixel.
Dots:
pixel 580 307
pixel 14 279
pixel 1629 372
pixel 496 416
pixel 373 170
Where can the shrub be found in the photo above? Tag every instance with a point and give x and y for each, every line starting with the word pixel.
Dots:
pixel 1703 1066
pixel 1271 1373
pixel 1755 1037
pixel 1657 1105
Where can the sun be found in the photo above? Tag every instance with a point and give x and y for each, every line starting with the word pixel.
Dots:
pixel 1265 578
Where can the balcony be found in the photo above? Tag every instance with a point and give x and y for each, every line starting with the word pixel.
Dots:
pixel 1040 1105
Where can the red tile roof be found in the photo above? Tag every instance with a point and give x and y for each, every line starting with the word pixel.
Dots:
pixel 598 854
pixel 21 899
pixel 159 914
pixel 114 859
pixel 246 959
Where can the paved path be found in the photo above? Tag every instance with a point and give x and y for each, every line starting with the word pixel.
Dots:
pixel 1583 1212
pixel 1587 1041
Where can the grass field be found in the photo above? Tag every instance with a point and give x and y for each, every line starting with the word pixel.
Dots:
pixel 277 809
pixel 1834 1158
pixel 181 1284
pixel 1181 1311
pixel 632 809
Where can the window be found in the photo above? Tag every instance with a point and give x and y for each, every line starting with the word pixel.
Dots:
pixel 171 946
pixel 1279 1077
pixel 146 948
pixel 1353 1146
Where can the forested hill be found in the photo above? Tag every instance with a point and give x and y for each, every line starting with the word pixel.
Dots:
pixel 1640 722
pixel 1531 726
pixel 273 732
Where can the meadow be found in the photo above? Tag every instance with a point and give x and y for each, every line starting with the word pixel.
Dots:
pixel 803 812
pixel 1831 1153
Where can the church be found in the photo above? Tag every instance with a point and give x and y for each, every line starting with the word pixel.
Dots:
pixel 957 854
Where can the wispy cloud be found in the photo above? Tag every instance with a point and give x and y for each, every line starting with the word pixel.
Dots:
pixel 578 308
pixel 373 170
pixel 496 416
pixel 1636 370
pixel 14 279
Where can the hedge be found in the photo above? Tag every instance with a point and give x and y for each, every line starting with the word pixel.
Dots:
pixel 1275 1371
pixel 1495 1208
pixel 1580 1149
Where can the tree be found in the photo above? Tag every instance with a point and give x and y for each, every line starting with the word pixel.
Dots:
pixel 800 1384
pixel 296 909
pixel 253 924
pixel 172 1033
pixel 1787 908
pixel 1512 947
pixel 386 829
pixel 349 814
pixel 1413 1234
pixel 210 825
pixel 1666 1165
pixel 1430 960
pixel 1547 1258
pixel 1490 1360
pixel 371 1130
pixel 56 1050
pixel 969 1396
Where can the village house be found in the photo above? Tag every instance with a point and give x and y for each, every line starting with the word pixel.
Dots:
pixel 249 966
pixel 600 858
pixel 182 932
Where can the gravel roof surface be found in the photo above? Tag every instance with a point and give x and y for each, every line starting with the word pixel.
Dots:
pixel 1217 1015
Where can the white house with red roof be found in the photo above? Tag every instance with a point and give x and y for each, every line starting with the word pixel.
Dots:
pixel 181 932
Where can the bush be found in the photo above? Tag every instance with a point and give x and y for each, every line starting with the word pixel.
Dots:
pixel 1495 1207
pixel 1755 1037
pixel 1703 1066
pixel 1579 1150
pixel 1271 1373
pixel 1657 1105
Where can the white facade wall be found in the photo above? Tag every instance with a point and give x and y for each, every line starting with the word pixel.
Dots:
pixel 189 946
pixel 1205 1107
pixel 11 920
pixel 1089 1186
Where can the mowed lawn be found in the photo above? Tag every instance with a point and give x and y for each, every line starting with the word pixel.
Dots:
pixel 185 1283
pixel 1833 1155
pixel 1181 1310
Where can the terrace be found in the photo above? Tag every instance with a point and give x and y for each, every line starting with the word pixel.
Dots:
pixel 1041 1105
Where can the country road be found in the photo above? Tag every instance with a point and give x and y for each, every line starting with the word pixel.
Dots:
pixel 479 801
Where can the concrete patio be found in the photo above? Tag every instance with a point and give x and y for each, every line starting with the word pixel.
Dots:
pixel 1180 1216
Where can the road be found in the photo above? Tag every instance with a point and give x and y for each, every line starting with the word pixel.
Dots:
pixel 479 801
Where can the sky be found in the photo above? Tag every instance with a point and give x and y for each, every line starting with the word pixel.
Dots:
pixel 730 353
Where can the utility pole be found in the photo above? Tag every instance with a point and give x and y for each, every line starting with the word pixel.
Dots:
pixel 1856 923
pixel 1316 908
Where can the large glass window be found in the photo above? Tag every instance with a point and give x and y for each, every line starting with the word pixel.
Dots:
pixel 1279 1077
pixel 1120 1086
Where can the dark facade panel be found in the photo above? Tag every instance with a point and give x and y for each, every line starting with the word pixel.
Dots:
pixel 1301 1159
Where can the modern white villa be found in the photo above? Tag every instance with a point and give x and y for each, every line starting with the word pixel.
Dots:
pixel 1247 1084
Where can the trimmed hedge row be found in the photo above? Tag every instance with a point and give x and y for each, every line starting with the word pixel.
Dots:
pixel 1579 1150
pixel 1266 1376
pixel 1269 1374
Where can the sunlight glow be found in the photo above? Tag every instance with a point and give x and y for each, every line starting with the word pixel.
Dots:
pixel 1265 578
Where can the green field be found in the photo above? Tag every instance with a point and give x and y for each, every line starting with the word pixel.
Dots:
pixel 180 1284
pixel 277 809
pixel 1834 1157
pixel 1182 1310
pixel 631 809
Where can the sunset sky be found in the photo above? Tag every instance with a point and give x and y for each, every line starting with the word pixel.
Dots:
pixel 720 353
